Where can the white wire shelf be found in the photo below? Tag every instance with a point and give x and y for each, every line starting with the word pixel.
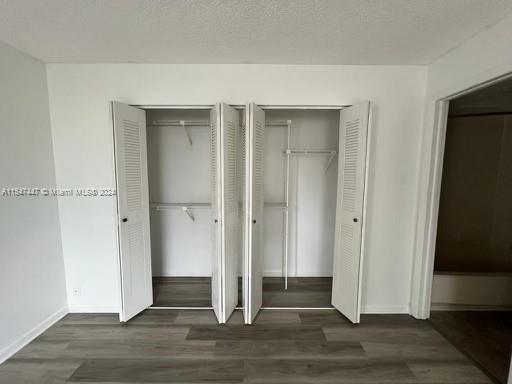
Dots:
pixel 274 205
pixel 180 123
pixel 184 124
pixel 164 206
pixel 184 207
pixel 278 123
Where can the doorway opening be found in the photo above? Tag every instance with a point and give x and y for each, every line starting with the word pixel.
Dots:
pixel 471 300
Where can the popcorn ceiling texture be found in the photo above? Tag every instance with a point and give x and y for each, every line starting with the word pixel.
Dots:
pixel 240 31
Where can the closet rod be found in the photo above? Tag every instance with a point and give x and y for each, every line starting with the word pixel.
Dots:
pixel 278 123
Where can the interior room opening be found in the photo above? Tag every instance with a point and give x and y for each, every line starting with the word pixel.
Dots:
pixel 471 302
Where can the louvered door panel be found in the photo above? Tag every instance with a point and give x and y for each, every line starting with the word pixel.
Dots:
pixel 253 256
pixel 346 291
pixel 133 209
pixel 216 212
pixel 230 224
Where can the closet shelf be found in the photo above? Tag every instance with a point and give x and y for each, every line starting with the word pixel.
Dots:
pixel 278 123
pixel 185 207
pixel 180 123
pixel 163 206
pixel 280 205
pixel 302 151
pixel 185 124
pixel 313 152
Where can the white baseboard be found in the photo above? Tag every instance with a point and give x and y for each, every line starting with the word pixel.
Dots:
pixel 26 338
pixel 83 308
pixel 384 309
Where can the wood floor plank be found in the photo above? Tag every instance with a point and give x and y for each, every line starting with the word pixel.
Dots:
pixel 326 371
pixel 40 371
pixel 160 371
pixel 182 292
pixel 139 349
pixel 42 349
pixel 67 332
pixel 302 292
pixel 277 317
pixel 259 332
pixel 322 317
pixel 195 317
pixel 448 371
pixel 423 349
pixel 286 349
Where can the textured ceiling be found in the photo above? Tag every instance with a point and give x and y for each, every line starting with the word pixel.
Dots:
pixel 245 31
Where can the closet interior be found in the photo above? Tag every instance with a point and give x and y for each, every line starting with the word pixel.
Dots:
pixel 180 168
pixel 300 188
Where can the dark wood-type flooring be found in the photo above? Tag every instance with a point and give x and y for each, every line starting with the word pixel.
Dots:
pixel 302 292
pixel 284 346
pixel 485 336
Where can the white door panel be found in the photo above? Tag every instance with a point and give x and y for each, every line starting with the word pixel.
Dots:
pixel 348 241
pixel 230 223
pixel 253 218
pixel 133 209
pixel 216 212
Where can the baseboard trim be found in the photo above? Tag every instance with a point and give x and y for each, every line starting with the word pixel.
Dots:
pixel 26 338
pixel 384 310
pixel 80 308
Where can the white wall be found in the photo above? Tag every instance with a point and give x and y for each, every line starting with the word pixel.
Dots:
pixel 32 288
pixel 482 58
pixel 82 132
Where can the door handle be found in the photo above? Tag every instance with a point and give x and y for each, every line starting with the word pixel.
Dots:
pixel 125 219
pixel 355 220
pixel 254 221
pixel 215 221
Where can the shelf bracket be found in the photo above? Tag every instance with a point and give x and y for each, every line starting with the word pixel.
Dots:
pixel 187 132
pixel 189 213
pixel 329 162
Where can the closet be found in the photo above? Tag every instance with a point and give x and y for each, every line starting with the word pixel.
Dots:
pixel 310 167
pixel 255 206
pixel 178 204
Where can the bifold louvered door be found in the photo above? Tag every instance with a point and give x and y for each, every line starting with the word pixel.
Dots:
pixel 133 209
pixel 216 192
pixel 225 125
pixel 347 269
pixel 253 212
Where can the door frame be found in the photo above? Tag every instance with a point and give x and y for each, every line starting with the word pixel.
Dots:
pixel 432 152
